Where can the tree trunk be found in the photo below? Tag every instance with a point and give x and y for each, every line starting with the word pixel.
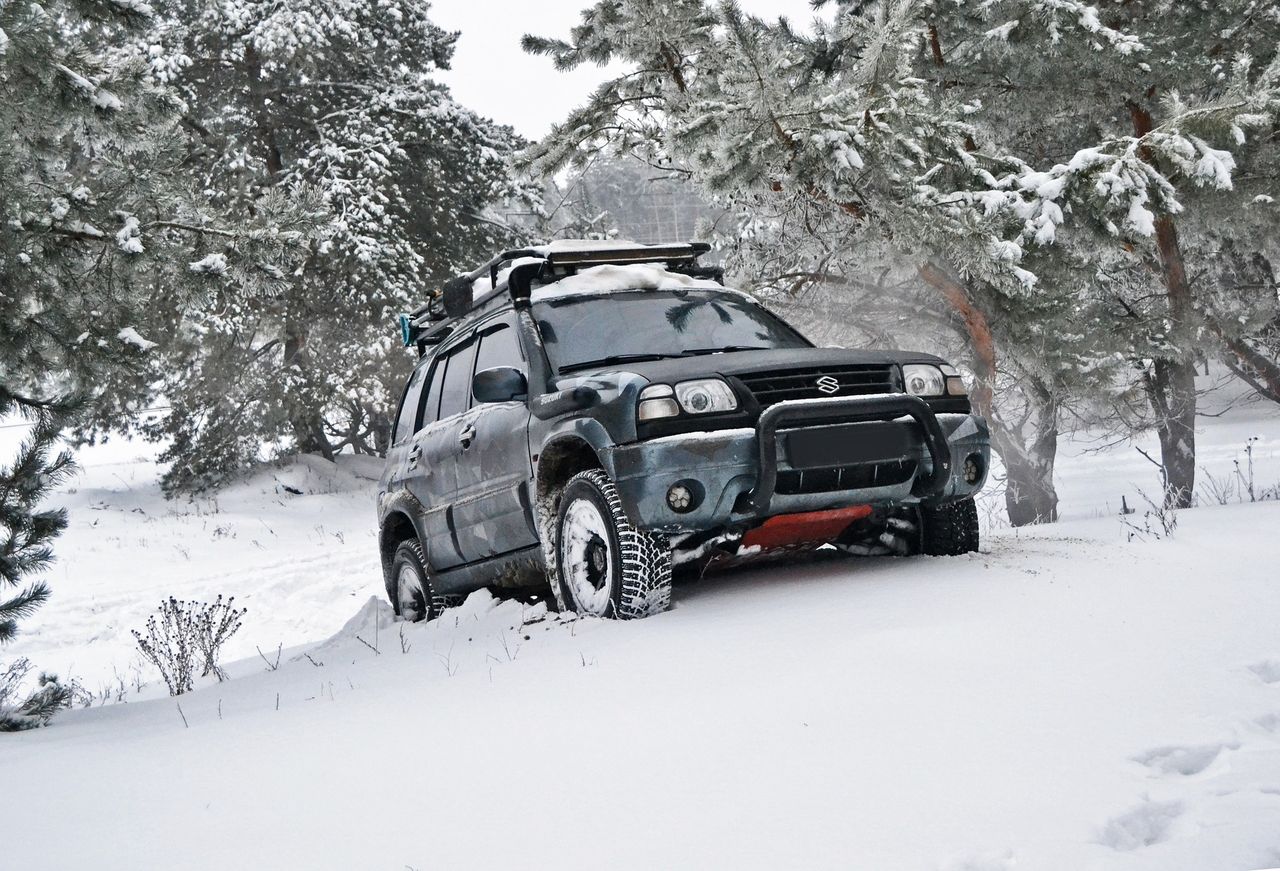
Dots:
pixel 307 423
pixel 977 331
pixel 380 424
pixel 1253 368
pixel 1030 496
pixel 262 118
pixel 1171 386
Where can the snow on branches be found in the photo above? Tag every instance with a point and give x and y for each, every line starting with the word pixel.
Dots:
pixel 323 115
pixel 1028 156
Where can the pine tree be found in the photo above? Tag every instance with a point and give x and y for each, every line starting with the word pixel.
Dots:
pixel 333 103
pixel 81 134
pixel 25 550
pixel 1157 105
pixel 98 231
pixel 898 122
pixel 825 147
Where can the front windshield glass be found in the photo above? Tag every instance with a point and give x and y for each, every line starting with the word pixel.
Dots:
pixel 580 331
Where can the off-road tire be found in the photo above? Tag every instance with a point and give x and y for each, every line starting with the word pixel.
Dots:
pixel 639 574
pixel 409 555
pixel 950 529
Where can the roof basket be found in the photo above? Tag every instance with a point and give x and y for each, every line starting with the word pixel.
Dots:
pixel 430 323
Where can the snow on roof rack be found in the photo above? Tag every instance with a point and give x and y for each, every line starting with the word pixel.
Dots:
pixel 429 323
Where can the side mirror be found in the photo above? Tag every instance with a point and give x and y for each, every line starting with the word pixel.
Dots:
pixel 499 384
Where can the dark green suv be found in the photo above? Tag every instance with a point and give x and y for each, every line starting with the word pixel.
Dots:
pixel 592 414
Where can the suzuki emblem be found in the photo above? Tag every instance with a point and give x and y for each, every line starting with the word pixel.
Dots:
pixel 827 384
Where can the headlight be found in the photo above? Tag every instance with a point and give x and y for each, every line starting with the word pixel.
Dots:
pixel 923 380
pixel 705 396
pixel 656 403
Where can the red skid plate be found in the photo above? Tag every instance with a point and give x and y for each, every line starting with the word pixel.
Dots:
pixel 807 527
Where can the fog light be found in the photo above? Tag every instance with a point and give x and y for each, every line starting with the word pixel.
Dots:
pixel 684 496
pixel 972 469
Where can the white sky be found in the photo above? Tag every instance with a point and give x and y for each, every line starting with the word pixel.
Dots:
pixel 493 76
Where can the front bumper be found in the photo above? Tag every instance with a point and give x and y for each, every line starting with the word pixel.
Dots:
pixel 740 473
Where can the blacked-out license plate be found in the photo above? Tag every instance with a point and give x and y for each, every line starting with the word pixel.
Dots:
pixel 844 445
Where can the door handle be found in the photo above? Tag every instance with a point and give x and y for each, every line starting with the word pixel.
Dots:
pixel 467 436
pixel 415 454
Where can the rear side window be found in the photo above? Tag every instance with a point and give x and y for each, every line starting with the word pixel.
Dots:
pixel 409 404
pixel 455 395
pixel 499 348
pixel 432 406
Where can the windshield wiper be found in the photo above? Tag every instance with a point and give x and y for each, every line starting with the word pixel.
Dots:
pixel 721 350
pixel 616 358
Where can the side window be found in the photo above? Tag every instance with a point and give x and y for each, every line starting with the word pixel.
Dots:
pixel 499 348
pixel 429 411
pixel 409 405
pixel 456 393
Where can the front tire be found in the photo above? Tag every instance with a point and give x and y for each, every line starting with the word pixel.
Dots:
pixel 604 565
pixel 950 529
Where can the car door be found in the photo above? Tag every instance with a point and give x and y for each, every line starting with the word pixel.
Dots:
pixel 493 513
pixel 432 455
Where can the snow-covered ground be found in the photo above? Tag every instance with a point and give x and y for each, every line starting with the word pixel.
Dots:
pixel 295 545
pixel 1067 699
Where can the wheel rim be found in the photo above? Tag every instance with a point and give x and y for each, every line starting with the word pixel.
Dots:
pixel 410 594
pixel 586 556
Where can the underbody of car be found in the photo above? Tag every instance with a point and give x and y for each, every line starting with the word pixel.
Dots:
pixel 592 415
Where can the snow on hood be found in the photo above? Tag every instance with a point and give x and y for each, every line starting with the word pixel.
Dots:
pixel 613 278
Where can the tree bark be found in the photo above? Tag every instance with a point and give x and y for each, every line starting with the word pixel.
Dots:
pixel 1171 386
pixel 1171 389
pixel 307 423
pixel 977 329
pixel 262 117
pixel 1250 365
pixel 1030 496
pixel 380 424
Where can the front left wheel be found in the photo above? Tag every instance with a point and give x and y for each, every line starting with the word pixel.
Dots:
pixel 605 566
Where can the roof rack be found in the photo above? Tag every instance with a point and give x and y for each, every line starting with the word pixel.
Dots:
pixel 433 321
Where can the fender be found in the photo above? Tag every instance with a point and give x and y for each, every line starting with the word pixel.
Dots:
pixel 582 429
pixel 401 502
pixel 610 421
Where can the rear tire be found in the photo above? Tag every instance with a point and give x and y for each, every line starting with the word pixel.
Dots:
pixel 950 529
pixel 414 595
pixel 603 565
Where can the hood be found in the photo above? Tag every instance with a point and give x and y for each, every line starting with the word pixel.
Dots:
pixel 743 362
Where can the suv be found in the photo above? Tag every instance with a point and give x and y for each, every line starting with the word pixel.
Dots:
pixel 591 414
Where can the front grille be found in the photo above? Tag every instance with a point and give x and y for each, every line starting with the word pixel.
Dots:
pixel 859 476
pixel 808 383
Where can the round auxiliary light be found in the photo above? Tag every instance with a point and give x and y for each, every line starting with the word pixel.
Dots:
pixel 684 496
pixel 972 469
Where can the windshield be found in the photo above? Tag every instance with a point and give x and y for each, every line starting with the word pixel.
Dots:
pixel 581 331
